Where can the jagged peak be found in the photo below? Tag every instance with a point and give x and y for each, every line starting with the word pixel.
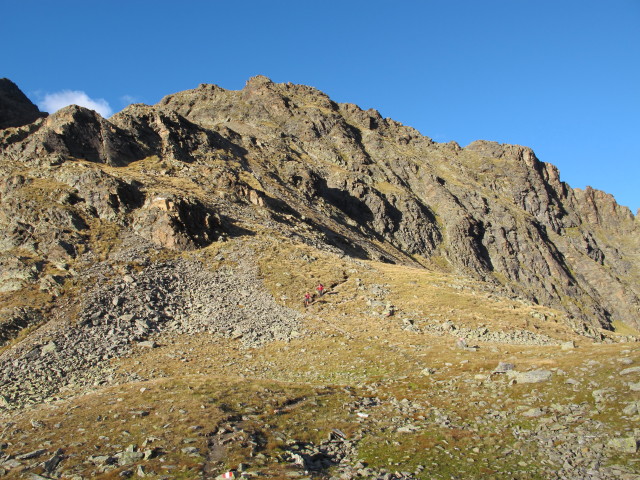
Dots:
pixel 258 81
pixel 601 207
pixel 486 148
pixel 6 85
pixel 73 113
pixel 387 178
pixel 210 87
pixel 135 109
pixel 493 149
pixel 16 109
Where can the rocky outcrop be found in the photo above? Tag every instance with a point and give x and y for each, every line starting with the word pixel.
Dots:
pixel 288 158
pixel 176 223
pixel 79 133
pixel 37 216
pixel 14 320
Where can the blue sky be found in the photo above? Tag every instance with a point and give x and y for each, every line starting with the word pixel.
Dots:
pixel 560 76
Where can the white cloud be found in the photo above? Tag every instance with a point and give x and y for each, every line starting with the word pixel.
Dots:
pixel 55 101
pixel 129 99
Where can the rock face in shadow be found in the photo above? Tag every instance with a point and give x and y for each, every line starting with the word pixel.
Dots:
pixel 79 133
pixel 287 158
pixel 16 109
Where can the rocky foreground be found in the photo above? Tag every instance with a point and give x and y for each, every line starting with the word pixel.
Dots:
pixel 148 380
pixel 480 319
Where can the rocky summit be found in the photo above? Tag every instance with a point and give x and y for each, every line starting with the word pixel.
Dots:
pixel 479 317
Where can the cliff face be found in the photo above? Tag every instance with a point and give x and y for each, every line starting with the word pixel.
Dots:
pixel 208 163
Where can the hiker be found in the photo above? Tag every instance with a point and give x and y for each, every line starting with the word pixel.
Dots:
pixel 320 289
pixel 307 299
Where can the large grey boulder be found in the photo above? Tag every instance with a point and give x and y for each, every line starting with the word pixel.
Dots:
pixel 534 376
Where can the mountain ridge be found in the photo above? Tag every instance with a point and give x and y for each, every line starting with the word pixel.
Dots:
pixel 491 211
pixel 479 317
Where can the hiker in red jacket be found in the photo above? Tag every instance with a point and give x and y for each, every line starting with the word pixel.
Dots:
pixel 307 299
pixel 320 289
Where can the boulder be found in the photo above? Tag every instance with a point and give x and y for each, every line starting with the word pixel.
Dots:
pixel 533 376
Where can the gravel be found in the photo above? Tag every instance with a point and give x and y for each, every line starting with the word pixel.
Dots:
pixel 181 296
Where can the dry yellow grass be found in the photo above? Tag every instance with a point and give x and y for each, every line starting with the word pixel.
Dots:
pixel 346 351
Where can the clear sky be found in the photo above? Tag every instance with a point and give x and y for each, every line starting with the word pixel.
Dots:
pixel 560 76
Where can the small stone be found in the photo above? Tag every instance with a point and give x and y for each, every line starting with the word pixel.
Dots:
pixel 627 371
pixel 407 429
pixel 102 460
pixel 48 348
pixel 631 409
pixel 11 463
pixel 139 413
pixel 533 413
pixel 127 458
pixel 602 395
pixel 461 343
pixel 191 450
pixel 149 453
pixel 624 444
pixel 504 367
pixel 30 455
pixel 51 464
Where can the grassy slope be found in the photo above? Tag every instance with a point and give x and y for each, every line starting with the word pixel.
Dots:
pixel 346 351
